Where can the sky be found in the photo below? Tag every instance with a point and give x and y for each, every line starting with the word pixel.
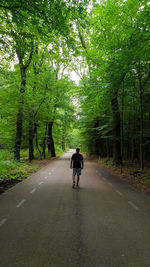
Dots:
pixel 74 77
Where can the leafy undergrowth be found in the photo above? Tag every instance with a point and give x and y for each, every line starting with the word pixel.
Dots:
pixel 12 172
pixel 130 173
pixel 16 170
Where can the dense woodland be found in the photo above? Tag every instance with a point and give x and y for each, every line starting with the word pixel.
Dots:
pixel 42 111
pixel 115 95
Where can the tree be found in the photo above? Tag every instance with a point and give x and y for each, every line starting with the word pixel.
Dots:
pixel 18 20
pixel 113 42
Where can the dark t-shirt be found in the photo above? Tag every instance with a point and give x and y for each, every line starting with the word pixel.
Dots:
pixel 77 158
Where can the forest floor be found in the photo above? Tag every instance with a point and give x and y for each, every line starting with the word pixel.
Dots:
pixel 130 173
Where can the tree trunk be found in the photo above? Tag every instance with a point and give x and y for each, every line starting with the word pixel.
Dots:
pixel 63 142
pixel 117 159
pixel 51 147
pixel 17 146
pixel 32 117
pixel 122 120
pixel 23 68
pixel 31 136
pixel 18 138
pixel 36 139
pixel 44 147
pixel 141 120
pixel 107 148
pixel 44 143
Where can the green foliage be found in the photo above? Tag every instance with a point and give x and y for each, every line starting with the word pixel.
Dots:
pixel 111 54
pixel 10 169
pixel 5 154
pixel 16 170
pixel 117 53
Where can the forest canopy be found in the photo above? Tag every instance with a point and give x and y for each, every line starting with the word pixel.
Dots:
pixel 107 44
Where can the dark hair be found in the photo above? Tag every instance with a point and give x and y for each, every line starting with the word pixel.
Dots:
pixel 77 150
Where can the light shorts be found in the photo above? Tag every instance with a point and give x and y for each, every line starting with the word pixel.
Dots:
pixel 77 171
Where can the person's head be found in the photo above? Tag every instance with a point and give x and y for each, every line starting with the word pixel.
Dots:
pixel 77 150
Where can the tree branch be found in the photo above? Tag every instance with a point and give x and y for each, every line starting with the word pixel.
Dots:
pixel 30 58
pixel 81 38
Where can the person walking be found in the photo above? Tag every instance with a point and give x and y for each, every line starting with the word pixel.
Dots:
pixel 77 164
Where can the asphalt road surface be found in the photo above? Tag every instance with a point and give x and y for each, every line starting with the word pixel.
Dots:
pixel 46 223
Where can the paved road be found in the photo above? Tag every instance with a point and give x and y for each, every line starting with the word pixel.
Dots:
pixel 45 223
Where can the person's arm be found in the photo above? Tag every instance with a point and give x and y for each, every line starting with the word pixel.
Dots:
pixel 71 164
pixel 82 163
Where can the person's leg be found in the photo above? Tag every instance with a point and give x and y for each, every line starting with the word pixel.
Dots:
pixel 78 176
pixel 78 179
pixel 73 179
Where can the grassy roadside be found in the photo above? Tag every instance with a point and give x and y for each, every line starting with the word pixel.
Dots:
pixel 16 170
pixel 13 172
